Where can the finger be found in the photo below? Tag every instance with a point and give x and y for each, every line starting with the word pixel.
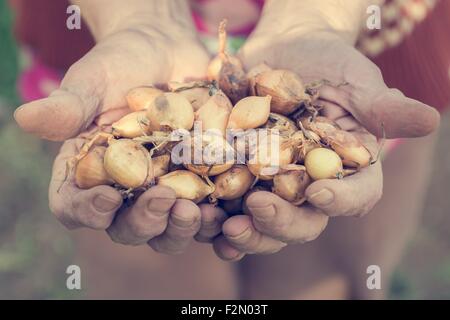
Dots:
pixel 332 111
pixel 353 195
pixel 184 223
pixel 212 218
pixel 68 110
pixel 241 234
pixel 335 94
pixel 93 208
pixel 281 220
pixel 146 219
pixel 348 123
pixel 192 65
pixel 398 116
pixel 225 251
pixel 96 83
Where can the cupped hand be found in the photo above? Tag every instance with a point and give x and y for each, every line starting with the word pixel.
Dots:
pixel 359 101
pixel 92 94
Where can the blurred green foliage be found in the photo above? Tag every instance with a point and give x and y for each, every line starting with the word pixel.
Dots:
pixel 35 249
pixel 8 56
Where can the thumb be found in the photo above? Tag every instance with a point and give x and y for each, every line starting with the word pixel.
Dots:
pixel 70 109
pixel 59 117
pixel 398 116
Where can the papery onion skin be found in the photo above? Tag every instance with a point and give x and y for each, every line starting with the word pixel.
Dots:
pixel 205 170
pixel 161 165
pixel 90 171
pixel 291 183
pixel 285 87
pixel 214 114
pixel 140 98
pixel 131 125
pixel 209 166
pixel 259 163
pixel 321 126
pixel 281 123
pixel 128 163
pixel 227 70
pixel 251 76
pixel 170 111
pixel 350 149
pixel 196 92
pixel 233 81
pixel 233 183
pixel 323 163
pixel 250 113
pixel 187 185
pixel 307 143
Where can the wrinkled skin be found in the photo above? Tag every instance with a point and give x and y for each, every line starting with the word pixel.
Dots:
pixel 92 94
pixel 95 87
pixel 364 103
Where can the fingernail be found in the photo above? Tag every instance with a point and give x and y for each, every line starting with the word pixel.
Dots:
pixel 104 204
pixel 160 206
pixel 321 198
pixel 267 212
pixel 182 222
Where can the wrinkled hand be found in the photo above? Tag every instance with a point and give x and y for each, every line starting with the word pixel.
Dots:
pixel 92 93
pixel 364 103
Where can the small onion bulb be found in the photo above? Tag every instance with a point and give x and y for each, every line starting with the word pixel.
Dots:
pixel 322 163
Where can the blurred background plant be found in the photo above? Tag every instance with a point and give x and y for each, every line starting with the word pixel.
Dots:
pixel 35 249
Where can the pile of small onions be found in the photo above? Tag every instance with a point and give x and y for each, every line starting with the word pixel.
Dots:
pixel 135 153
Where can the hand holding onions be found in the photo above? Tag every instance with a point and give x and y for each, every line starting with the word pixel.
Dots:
pixel 137 152
pixel 363 101
pixel 319 158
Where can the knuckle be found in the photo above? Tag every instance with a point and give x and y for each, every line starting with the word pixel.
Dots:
pixel 139 227
pixel 278 227
pixel 61 213
pixel 141 231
